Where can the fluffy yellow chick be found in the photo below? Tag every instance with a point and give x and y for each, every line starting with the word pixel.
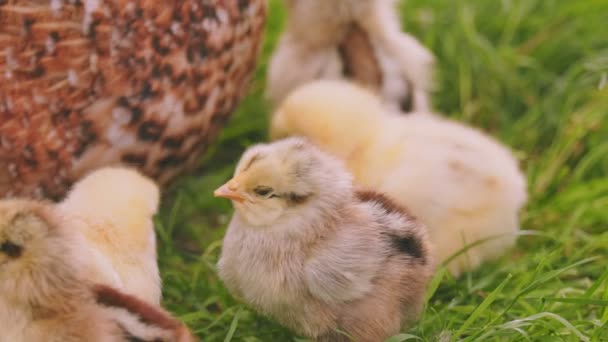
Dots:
pixel 359 40
pixel 46 294
pixel 307 249
pixel 461 183
pixel 113 208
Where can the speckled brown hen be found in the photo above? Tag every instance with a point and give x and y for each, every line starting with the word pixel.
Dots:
pixel 85 84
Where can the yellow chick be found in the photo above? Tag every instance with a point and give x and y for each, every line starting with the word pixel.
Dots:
pixel 461 183
pixel 46 294
pixel 359 40
pixel 309 250
pixel 114 208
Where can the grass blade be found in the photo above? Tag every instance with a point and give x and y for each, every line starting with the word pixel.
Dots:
pixel 482 307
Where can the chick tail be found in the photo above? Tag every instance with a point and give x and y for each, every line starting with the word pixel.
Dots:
pixel 141 320
pixel 483 234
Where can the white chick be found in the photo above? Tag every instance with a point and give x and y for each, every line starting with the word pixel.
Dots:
pixel 45 292
pixel 462 184
pixel 307 249
pixel 353 39
pixel 114 209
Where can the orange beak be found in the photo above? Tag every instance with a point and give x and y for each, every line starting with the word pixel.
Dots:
pixel 228 191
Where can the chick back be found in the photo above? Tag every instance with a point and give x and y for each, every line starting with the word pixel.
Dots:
pixel 464 185
pixel 396 296
pixel 113 207
pixel 406 245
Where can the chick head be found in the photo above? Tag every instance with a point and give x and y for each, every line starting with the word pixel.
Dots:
pixel 22 230
pixel 332 114
pixel 105 189
pixel 33 248
pixel 117 197
pixel 285 179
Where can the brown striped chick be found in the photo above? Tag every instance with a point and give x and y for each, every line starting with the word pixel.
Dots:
pixel 360 40
pixel 307 249
pixel 46 294
pixel 464 185
pixel 114 207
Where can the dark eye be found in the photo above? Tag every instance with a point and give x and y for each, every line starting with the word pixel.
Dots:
pixel 11 249
pixel 262 191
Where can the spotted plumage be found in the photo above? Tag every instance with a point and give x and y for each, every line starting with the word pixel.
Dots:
pixel 143 83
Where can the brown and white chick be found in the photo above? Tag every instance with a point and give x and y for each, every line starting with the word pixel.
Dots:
pixel 113 207
pixel 307 249
pixel 464 185
pixel 359 40
pixel 46 294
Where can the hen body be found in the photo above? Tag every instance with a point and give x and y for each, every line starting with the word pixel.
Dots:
pixel 92 83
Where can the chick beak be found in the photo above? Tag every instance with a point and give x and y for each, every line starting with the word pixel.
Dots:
pixel 228 191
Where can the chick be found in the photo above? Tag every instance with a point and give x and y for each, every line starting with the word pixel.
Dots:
pixel 359 40
pixel 462 184
pixel 46 295
pixel 309 250
pixel 113 208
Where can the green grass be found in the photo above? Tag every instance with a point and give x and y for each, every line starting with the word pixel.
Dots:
pixel 530 72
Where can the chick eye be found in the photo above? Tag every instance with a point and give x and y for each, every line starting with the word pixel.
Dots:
pixel 11 249
pixel 262 191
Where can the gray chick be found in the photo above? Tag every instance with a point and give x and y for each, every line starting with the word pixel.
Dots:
pixel 322 258
pixel 357 40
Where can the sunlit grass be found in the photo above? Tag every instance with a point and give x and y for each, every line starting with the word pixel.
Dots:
pixel 532 73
